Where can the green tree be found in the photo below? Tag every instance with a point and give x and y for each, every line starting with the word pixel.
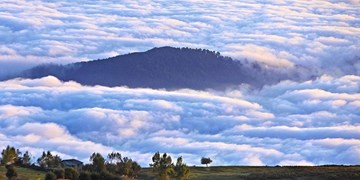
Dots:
pixel 162 165
pixel 50 176
pixel 206 161
pixel 26 159
pixel 181 171
pixel 42 161
pixel 128 167
pixel 114 157
pixel 10 155
pixel 11 173
pixel 98 162
pixel 122 166
pixel 47 160
pixel 71 173
pixel 135 169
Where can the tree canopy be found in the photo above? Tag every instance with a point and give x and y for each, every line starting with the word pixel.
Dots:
pixel 122 166
pixel 98 162
pixel 163 166
pixel 10 155
pixel 47 160
pixel 206 161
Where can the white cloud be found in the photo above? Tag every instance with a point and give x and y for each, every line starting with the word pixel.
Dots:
pixel 278 33
pixel 312 122
pixel 260 54
pixel 290 123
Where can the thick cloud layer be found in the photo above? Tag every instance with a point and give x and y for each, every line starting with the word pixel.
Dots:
pixel 309 123
pixel 319 34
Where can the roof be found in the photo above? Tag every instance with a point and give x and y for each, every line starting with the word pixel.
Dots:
pixel 71 162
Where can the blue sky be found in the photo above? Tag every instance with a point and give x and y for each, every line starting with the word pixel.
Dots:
pixel 289 123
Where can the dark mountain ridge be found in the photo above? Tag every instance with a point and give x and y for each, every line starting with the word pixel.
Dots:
pixel 164 67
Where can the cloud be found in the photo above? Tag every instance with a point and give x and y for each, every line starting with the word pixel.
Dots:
pixel 290 123
pixel 281 34
pixel 259 54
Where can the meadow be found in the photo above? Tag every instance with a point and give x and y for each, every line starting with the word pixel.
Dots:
pixel 237 172
pixel 24 173
pixel 266 172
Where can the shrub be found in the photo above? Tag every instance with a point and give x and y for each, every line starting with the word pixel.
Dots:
pixel 11 173
pixel 85 176
pixel 71 173
pixel 95 176
pixel 60 173
pixel 104 175
pixel 50 176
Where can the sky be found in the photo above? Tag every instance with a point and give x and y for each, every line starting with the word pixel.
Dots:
pixel 290 123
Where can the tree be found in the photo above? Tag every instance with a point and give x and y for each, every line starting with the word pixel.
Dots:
pixel 206 161
pixel 114 157
pixel 98 162
pixel 71 173
pixel 181 171
pixel 128 167
pixel 162 165
pixel 47 160
pixel 135 169
pixel 11 173
pixel 122 165
pixel 10 155
pixel 25 160
pixel 42 160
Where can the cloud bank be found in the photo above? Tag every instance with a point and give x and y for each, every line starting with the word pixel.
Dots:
pixel 317 34
pixel 309 123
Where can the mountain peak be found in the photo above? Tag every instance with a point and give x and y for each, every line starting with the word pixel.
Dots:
pixel 162 67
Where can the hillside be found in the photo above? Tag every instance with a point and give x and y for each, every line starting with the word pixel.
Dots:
pixel 164 67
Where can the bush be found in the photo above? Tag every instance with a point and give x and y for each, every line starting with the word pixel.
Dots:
pixel 50 176
pixel 71 173
pixel 95 176
pixel 105 175
pixel 85 176
pixel 60 173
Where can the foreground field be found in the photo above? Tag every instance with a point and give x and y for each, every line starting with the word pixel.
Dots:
pixel 24 173
pixel 236 172
pixel 242 172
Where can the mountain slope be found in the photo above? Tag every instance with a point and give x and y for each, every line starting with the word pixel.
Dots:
pixel 164 67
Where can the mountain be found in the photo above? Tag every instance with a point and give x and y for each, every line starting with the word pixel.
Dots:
pixel 164 67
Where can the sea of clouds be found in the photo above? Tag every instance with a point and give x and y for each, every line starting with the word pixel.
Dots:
pixel 289 123
pixel 309 123
pixel 320 34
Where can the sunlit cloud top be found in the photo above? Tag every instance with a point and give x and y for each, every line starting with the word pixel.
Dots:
pixel 280 33
pixel 310 123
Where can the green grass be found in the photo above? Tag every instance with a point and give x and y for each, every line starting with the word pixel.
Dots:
pixel 245 172
pixel 24 173
pixel 235 173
